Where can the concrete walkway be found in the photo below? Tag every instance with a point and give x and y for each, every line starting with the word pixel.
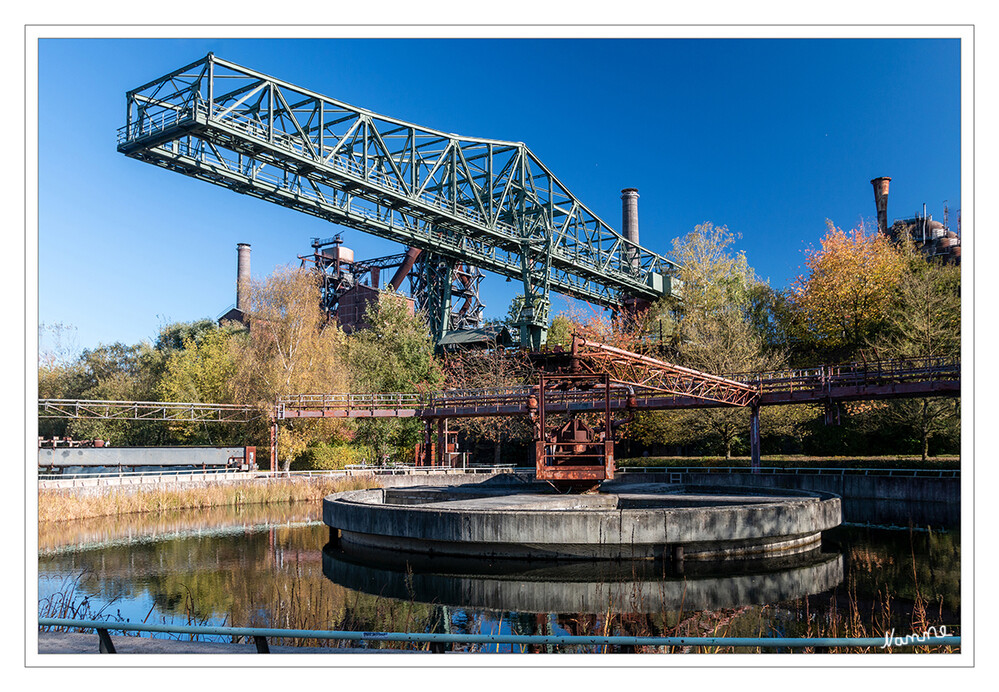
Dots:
pixel 87 643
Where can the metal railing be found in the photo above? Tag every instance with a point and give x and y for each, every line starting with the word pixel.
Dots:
pixel 179 475
pixel 821 378
pixel 392 400
pixel 440 641
pixel 797 471
pixel 84 480
pixel 872 372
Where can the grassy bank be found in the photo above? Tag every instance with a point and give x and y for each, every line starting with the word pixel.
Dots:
pixel 66 505
pixel 797 461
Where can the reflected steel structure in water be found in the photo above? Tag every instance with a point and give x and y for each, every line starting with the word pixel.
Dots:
pixel 618 587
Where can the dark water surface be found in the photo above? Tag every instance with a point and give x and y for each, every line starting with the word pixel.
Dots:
pixel 272 567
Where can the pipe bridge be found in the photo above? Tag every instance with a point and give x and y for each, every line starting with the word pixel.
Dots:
pixel 481 202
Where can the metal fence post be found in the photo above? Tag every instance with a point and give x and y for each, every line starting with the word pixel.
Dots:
pixel 106 646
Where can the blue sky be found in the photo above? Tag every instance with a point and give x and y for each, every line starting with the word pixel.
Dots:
pixel 768 137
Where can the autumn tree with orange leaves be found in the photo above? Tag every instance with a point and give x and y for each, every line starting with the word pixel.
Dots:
pixel 847 295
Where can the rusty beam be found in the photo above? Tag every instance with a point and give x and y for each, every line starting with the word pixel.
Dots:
pixel 645 372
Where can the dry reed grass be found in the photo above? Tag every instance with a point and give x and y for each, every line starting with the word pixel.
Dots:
pixel 67 505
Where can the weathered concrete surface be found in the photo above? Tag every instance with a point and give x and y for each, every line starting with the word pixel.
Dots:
pixel 626 523
pixel 87 643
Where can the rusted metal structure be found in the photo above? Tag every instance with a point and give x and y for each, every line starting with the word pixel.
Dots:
pixel 881 201
pixel 919 377
pixel 574 455
pixel 646 373
pixel 665 387
pixel 934 239
pixel 598 389
pixel 577 455
pixel 346 285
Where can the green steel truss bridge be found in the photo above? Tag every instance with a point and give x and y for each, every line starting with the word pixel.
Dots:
pixel 465 200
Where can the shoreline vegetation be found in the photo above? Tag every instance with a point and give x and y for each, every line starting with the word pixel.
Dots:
pixel 58 504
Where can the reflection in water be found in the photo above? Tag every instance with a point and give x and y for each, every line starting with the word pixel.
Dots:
pixel 608 586
pixel 265 568
pixel 901 513
pixel 83 534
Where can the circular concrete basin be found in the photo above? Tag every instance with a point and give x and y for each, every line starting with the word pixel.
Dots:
pixel 623 521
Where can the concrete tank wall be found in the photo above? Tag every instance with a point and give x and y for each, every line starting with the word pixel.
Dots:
pixel 866 499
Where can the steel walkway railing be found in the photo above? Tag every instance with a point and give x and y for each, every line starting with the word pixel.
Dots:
pixel 439 641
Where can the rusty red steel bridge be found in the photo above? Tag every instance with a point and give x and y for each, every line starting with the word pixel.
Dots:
pixel 602 380
pixel 576 405
pixel 889 379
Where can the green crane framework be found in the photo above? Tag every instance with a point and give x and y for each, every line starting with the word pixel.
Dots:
pixel 464 200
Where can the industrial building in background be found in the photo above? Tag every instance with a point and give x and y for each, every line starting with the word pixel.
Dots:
pixel 348 285
pixel 241 310
pixel 933 238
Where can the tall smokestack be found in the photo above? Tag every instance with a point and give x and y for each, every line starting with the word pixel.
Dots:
pixel 881 201
pixel 243 277
pixel 629 219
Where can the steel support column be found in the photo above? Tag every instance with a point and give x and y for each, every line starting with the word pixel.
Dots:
pixel 274 445
pixel 438 276
pixel 441 441
pixel 754 436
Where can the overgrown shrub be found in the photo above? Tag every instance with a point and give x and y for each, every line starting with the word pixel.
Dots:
pixel 321 456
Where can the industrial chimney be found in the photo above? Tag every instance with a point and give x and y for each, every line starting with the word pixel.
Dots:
pixel 629 220
pixel 881 202
pixel 243 277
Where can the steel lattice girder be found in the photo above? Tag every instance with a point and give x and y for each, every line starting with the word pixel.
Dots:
pixel 648 373
pixel 488 203
pixel 147 410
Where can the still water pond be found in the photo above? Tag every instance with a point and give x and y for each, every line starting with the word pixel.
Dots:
pixel 271 567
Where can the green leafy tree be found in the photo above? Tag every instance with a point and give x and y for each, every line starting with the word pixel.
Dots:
pixel 118 372
pixel 395 354
pixel 201 370
pixel 290 349
pixel 925 321
pixel 713 332
pixel 560 331
pixel 176 336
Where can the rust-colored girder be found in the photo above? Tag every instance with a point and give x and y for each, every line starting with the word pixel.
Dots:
pixel 924 377
pixel 645 372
